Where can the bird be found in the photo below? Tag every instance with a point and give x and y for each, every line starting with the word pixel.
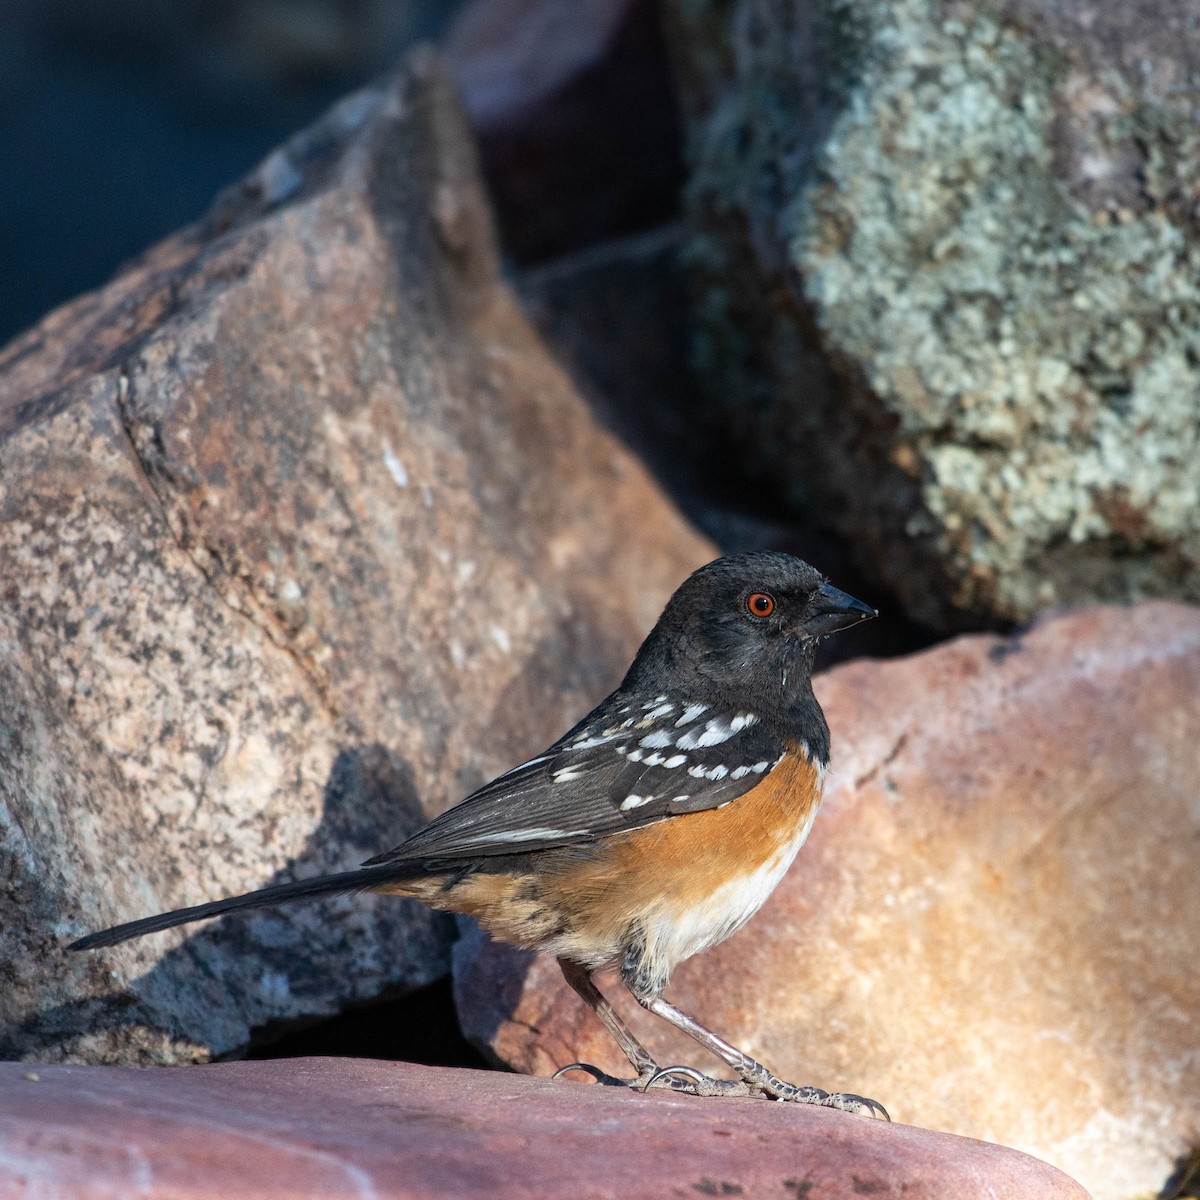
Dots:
pixel 653 829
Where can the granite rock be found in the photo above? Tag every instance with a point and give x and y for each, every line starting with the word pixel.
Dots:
pixel 993 929
pixel 303 535
pixel 947 260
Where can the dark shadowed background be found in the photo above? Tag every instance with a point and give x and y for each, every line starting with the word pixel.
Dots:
pixel 121 119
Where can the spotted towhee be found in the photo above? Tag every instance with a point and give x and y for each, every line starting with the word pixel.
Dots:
pixel 654 828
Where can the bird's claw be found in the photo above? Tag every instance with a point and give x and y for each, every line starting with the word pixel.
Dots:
pixel 598 1075
pixel 842 1101
pixel 860 1105
pixel 778 1089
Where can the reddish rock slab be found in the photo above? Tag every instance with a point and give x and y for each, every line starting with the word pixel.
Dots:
pixel 994 928
pixel 334 1128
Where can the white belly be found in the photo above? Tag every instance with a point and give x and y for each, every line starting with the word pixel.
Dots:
pixel 673 936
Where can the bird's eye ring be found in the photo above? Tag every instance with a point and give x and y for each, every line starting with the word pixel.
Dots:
pixel 760 604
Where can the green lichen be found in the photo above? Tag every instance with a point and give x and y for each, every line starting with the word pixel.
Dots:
pixel 1039 359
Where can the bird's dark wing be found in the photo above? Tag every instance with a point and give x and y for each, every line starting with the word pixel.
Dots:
pixel 629 763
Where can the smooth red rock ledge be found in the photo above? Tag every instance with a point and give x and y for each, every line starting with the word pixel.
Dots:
pixel 376 1130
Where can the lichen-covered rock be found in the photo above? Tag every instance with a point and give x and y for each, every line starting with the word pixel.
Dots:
pixel 993 928
pixel 302 535
pixel 948 259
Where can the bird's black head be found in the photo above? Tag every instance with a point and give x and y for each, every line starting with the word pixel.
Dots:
pixel 742 632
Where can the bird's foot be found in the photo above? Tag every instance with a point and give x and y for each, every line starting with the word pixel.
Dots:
pixel 652 1077
pixel 689 1081
pixel 761 1082
pixel 755 1081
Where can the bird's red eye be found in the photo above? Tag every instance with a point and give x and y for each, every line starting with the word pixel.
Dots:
pixel 760 604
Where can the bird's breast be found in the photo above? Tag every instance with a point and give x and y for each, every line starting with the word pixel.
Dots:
pixel 687 883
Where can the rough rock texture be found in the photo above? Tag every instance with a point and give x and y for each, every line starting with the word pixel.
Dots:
pixel 994 928
pixel 303 535
pixel 337 1127
pixel 576 117
pixel 947 257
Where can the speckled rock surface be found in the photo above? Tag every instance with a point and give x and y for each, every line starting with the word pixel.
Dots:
pixel 948 259
pixel 302 536
pixel 335 1127
pixel 993 929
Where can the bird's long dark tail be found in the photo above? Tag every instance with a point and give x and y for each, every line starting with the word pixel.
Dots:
pixel 363 879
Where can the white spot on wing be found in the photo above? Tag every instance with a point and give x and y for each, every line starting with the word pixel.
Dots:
pixel 530 762
pixel 602 739
pixel 658 740
pixel 752 768
pixel 634 801
pixel 539 833
pixel 676 760
pixel 714 733
pixel 717 771
pixel 691 713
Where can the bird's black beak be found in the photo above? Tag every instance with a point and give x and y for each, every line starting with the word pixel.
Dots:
pixel 832 609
